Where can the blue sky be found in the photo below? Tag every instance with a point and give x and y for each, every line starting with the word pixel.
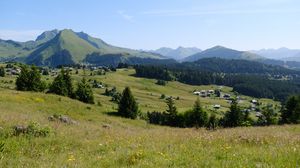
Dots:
pixel 150 24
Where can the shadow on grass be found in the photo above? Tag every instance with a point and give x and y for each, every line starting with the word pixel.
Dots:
pixel 113 113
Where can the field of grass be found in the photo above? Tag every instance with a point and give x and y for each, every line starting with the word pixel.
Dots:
pixel 100 140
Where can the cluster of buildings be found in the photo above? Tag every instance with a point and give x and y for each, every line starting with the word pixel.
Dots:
pixel 225 96
pixel 204 93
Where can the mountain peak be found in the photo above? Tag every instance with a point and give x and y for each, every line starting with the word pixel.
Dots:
pixel 219 47
pixel 69 47
pixel 222 52
pixel 47 35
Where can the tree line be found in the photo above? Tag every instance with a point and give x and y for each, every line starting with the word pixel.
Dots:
pixel 199 117
pixel 30 79
pixel 259 86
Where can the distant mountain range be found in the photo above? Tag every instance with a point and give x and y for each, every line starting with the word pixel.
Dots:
pixel 64 47
pixel 280 54
pixel 178 53
pixel 225 53
pixel 53 48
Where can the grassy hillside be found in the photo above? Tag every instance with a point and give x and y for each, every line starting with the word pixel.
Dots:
pixel 100 140
pixel 148 93
pixel 66 40
pixel 11 49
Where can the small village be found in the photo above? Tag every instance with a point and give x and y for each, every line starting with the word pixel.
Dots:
pixel 217 93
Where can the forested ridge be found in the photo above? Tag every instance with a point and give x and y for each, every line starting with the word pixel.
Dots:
pixel 253 79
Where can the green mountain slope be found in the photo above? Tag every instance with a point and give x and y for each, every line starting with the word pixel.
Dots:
pixel 65 48
pixel 225 53
pixel 10 49
pixel 105 48
pixel 69 47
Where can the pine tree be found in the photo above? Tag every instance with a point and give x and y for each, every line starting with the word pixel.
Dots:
pixel 212 122
pixel 291 111
pixel 128 106
pixel 62 84
pixel 84 92
pixel 171 112
pixel 2 72
pixel 234 117
pixel 30 80
pixel 268 116
pixel 199 116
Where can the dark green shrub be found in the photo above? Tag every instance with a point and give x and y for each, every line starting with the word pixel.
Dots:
pixel 30 80
pixel 161 82
pixel 2 72
pixel 32 130
pixel 62 84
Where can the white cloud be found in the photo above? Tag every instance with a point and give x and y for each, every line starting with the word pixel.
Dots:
pixel 23 35
pixel 125 16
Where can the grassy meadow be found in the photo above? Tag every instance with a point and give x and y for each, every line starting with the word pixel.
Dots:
pixel 101 140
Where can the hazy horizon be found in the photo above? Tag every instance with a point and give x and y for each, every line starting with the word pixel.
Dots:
pixel 259 24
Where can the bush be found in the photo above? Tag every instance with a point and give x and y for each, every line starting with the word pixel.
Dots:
pixel 268 116
pixel 2 72
pixel 32 130
pixel 116 96
pixel 45 72
pixel 156 118
pixel 212 123
pixel 161 82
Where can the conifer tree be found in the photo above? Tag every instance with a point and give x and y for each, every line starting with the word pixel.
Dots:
pixel 199 116
pixel 30 80
pixel 84 92
pixel 62 84
pixel 128 106
pixel 268 116
pixel 212 122
pixel 290 113
pixel 234 117
pixel 171 112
